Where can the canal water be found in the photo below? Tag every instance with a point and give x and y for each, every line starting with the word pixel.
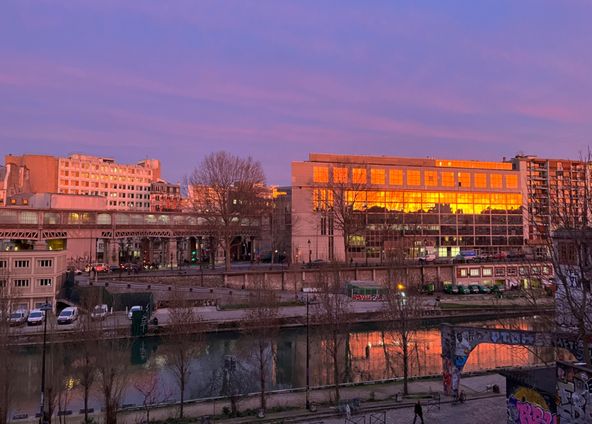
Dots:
pixel 225 362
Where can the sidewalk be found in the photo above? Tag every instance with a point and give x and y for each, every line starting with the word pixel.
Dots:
pixel 482 405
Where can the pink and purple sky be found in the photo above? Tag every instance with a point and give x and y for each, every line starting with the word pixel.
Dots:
pixel 277 79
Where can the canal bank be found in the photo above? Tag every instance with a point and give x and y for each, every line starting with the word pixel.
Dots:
pixel 369 354
pixel 216 320
pixel 370 398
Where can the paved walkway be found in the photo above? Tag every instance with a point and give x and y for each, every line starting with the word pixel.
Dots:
pixel 482 405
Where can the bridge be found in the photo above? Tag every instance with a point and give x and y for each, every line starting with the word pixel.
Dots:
pixel 103 235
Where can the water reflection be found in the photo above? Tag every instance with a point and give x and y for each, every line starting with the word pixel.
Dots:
pixel 225 360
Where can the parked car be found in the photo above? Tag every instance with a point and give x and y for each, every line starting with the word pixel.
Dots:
pixel 99 312
pixel 36 317
pixel 466 256
pixel 497 289
pixel 101 267
pixel 450 289
pixel 18 317
pixel 68 315
pixel 115 268
pixel 133 309
pixel 473 288
pixel 317 263
pixel 131 267
pixel 483 289
pixel 463 290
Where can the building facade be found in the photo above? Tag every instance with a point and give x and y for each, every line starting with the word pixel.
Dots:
pixel 126 186
pixel 387 204
pixel 551 187
pixel 30 277
pixel 165 197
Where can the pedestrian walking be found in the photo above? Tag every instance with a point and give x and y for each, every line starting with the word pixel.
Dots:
pixel 418 412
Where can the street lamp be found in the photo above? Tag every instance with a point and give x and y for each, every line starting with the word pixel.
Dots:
pixel 46 308
pixel 309 253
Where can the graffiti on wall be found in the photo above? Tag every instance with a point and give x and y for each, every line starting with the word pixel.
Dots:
pixel 574 393
pixel 529 406
pixel 458 342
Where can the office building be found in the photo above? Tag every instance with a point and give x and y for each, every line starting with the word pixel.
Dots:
pixel 389 204
pixel 126 186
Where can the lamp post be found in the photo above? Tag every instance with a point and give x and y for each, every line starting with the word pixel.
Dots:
pixel 45 308
pixel 309 253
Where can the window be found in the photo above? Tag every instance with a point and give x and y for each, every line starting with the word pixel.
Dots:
pixel 340 175
pixel 512 271
pixel 495 180
pixel 481 180
pixel 320 174
pixel 396 177
pixel 44 282
pixel 45 263
pixel 430 178
pixel 21 283
pixel 447 179
pixel 487 272
pixel 377 176
pixel 464 179
pixel 2 283
pixel 359 176
pixel 3 264
pixel 21 263
pixel 474 272
pixel 511 181
pixel 462 272
pixel 413 178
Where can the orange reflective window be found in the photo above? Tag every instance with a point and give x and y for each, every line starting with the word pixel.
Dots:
pixel 375 199
pixel 447 179
pixel 396 177
pixel 511 181
pixel 430 178
pixel 377 176
pixel 413 178
pixel 495 180
pixel 481 180
pixel 340 175
pixel 359 176
pixel 447 198
pixel 464 179
pixel 320 174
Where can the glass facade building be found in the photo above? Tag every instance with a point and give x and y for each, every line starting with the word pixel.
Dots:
pixel 444 205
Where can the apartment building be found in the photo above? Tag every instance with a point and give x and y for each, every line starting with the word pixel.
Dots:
pixel 551 187
pixel 165 197
pixel 414 204
pixel 125 186
pixel 29 277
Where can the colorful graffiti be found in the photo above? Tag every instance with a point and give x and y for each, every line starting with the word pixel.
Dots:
pixel 574 392
pixel 528 406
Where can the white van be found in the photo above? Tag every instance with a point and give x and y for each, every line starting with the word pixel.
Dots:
pixel 68 315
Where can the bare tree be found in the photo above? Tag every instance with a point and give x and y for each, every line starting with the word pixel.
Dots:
pixel 333 316
pixel 403 309
pixel 185 342
pixel 112 372
pixel 342 204
pixel 228 192
pixel 261 326
pixel 152 392
pixel 90 336
pixel 59 381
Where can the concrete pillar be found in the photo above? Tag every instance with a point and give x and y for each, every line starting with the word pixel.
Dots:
pixel 171 252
